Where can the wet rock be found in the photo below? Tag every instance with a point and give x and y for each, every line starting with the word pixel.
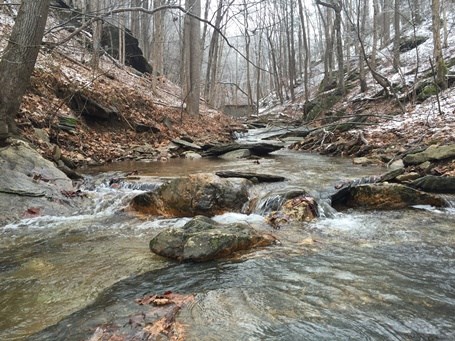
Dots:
pixel 431 153
pixel 274 200
pixel 203 239
pixel 259 149
pixel 205 194
pixel 192 155
pixel 435 184
pixel 29 184
pixel 299 209
pixel 258 177
pixel 383 196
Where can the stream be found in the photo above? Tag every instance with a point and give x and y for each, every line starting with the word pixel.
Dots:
pixel 354 275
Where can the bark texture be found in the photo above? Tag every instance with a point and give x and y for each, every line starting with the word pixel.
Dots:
pixel 19 60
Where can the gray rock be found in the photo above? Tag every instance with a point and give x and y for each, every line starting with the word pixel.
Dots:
pixel 192 155
pixel 259 149
pixel 203 239
pixel 236 154
pixel 435 184
pixel 28 182
pixel 431 153
pixel 186 144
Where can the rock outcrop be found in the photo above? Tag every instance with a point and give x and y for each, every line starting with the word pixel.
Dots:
pixel 30 185
pixel 202 239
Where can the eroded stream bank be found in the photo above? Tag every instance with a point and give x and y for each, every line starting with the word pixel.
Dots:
pixel 351 275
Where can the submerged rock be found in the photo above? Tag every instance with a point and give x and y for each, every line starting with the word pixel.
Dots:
pixel 383 196
pixel 203 239
pixel 198 194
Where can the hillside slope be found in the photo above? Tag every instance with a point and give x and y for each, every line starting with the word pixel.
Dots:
pixel 85 117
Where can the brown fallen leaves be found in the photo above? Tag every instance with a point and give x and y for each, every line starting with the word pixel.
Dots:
pixel 157 323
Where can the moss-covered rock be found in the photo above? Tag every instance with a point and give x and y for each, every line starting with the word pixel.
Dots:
pixel 203 239
pixel 426 92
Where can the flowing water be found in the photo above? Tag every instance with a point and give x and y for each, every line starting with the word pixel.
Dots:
pixel 353 275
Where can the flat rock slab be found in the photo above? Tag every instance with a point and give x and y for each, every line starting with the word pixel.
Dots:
pixel 383 196
pixel 251 176
pixel 259 149
pixel 186 144
pixel 203 239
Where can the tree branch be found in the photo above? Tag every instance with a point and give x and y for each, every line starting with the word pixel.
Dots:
pixel 153 11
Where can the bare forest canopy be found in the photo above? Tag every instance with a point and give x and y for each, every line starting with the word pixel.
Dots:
pixel 295 57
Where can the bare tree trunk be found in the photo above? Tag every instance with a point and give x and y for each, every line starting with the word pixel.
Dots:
pixel 212 60
pixel 135 20
pixel 444 16
pixel 247 54
pixel 375 34
pixel 397 33
pixel 417 12
pixel 337 25
pixel 275 67
pixel 18 60
pixel 158 43
pixel 145 28
pixel 192 57
pixel 441 69
pixel 95 6
pixel 362 11
pixel 306 51
pixel 386 10
pixel 290 49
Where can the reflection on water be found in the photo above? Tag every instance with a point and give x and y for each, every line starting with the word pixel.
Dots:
pixel 356 275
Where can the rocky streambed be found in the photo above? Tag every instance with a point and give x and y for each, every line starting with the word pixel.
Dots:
pixel 83 252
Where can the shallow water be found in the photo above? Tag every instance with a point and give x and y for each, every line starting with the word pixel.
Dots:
pixel 352 275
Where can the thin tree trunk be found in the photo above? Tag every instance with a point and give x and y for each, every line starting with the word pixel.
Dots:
pixel 397 33
pixel 375 34
pixel 192 56
pixel 441 69
pixel 363 13
pixel 306 51
pixel 97 33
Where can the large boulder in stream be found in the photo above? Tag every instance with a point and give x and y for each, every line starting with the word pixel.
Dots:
pixel 198 194
pixel 383 196
pixel 203 239
pixel 31 185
